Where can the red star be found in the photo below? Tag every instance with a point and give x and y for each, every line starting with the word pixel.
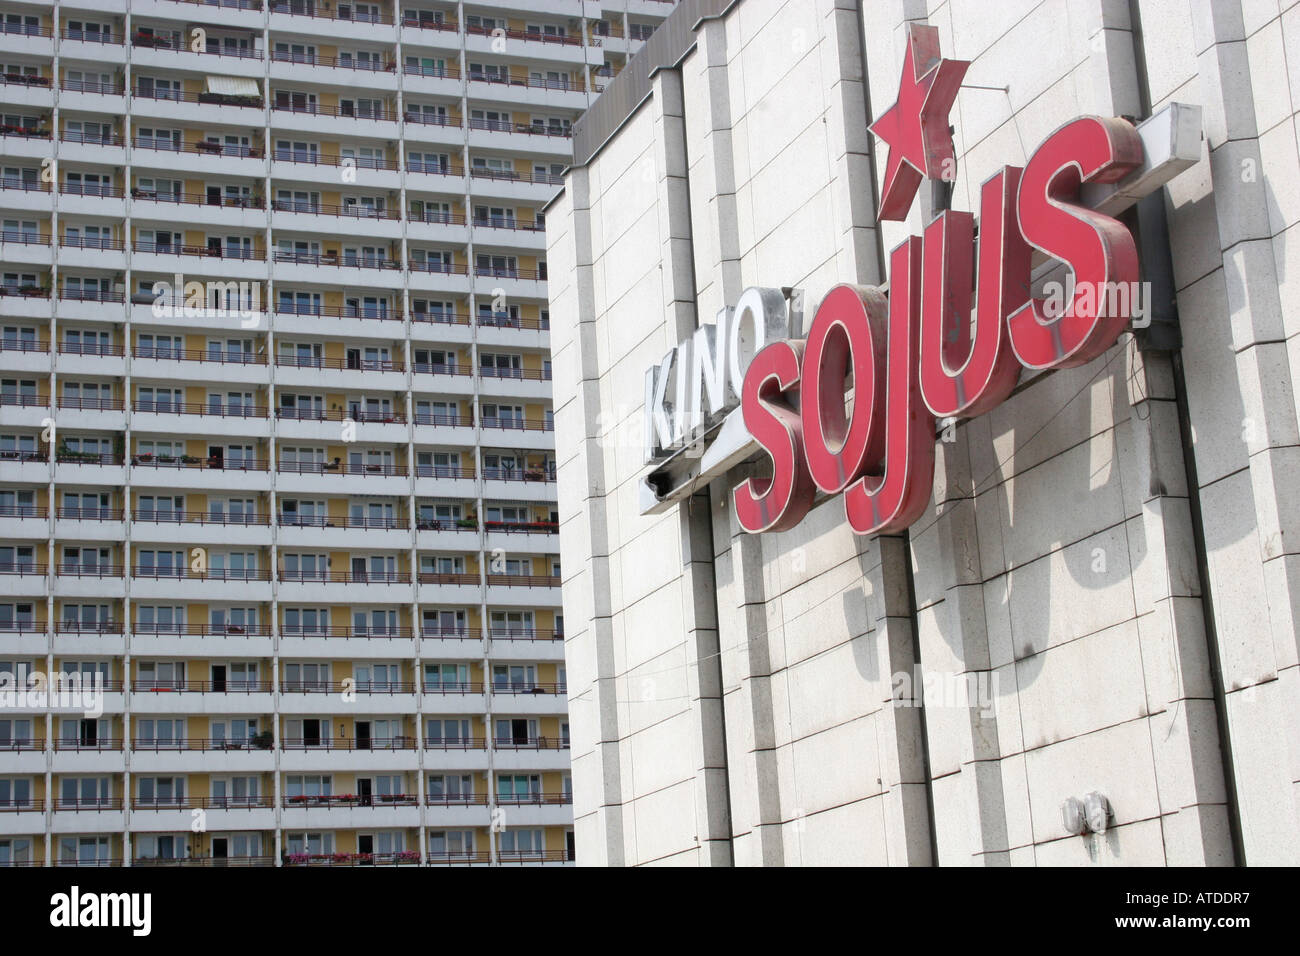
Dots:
pixel 916 126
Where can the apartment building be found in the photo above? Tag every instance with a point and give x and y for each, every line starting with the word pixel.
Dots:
pixel 277 463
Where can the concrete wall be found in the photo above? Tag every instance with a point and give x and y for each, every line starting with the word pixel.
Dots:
pixel 736 698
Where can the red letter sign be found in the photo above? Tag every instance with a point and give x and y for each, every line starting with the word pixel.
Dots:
pixel 958 377
pixel 1098 249
pixel 779 502
pixel 851 321
pixel 896 499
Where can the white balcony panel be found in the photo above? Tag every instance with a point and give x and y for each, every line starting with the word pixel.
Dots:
pixel 144 108
pixel 517 190
pixel 437 759
pixel 556 148
pixel 37 363
pixel 81 101
pixel 316 592
pixel 527 389
pixel 224 269
pixel 341 483
pixel 201 646
pixel 73 473
pixel 451 649
pixel 513 288
pixel 445 539
pixel 27 254
pixel 161 58
pixel 25 147
pixel 23 645
pixel 519 543
pixel 455 594
pixel 536 650
pixel 89 761
pixel 97 207
pixel 195 372
pixel 72 586
pixel 165 702
pixel 310 274
pixel 344 648
pixel 529 704
pixel 77 257
pixel 448 233
pixel 74 363
pixel 455 436
pixel 349 30
pixel 71 529
pixel 338 816
pixel 337 539
pixel 25 762
pixel 87 821
pixel 200 164
pixel 522 596
pixel 192 533
pixel 456 816
pixel 200 479
pixel 320 760
pixel 25 528
pixel 90 418
pixel 437 383
pixel 26 200
pixel 439 134
pixel 305 74
pixel 332 127
pixel 341 380
pixel 198 214
pixel 527 760
pixel 164 314
pixel 417 84
pixel 27 821
pixel 199 590
pixel 454 704
pixel 97 52
pixel 26 307
pixel 445 332
pixel 223 425
pixel 215 820
pixel 545 815
pixel 202 761
pixel 91 311
pixel 528 439
pixel 295 429
pixel 520 490
pixel 98 153
pixel 99 645
pixel 352 226
pixel 448 284
pixel 231 16
pixel 288 323
pixel 517 240
pixel 363 705
pixel 423 180
pixel 561 98
pixel 430 486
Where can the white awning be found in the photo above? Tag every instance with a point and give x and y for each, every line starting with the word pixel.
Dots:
pixel 234 86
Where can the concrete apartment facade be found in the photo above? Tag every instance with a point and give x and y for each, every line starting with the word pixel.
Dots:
pixel 1109 557
pixel 304 530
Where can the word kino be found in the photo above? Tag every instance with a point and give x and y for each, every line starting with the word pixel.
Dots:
pixel 914 353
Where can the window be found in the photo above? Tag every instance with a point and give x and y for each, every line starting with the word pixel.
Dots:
pixel 451 844
pixel 446 678
pixel 15 793
pixel 522 842
pixel 83 851
pixel 160 733
pixel 306 620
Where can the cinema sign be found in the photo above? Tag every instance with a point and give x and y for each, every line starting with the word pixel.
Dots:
pixel 928 347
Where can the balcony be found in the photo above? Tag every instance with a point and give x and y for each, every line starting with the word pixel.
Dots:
pixel 347 753
pixel 355 642
pixel 202 697
pixel 20 195
pixel 201 755
pixel 230 263
pixel 343 22
pixel 76 359
pixel 24 521
pixel 192 472
pixel 90 581
pixel 320 531
pixel 219 813
pixel 214 584
pixel 533 188
pixel 210 418
pixel 315 118
pixel 380 479
pixel 451 643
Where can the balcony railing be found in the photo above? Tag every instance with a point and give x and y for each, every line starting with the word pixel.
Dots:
pixel 24 401
pixel 204 803
pixel 448 577
pixel 324 521
pixel 149 460
pixel 533 799
pixel 521 374
pixel 197 517
pixel 214 356
pixel 91 404
pixel 339 687
pixel 527 687
pixel 530 743
pixel 209 409
pixel 211 574
pixel 347 632
pixel 329 209
pixel 340 414
pixel 518 424
pixel 89 36
pixel 498 633
pixel 347 577
pixel 531 129
pixel 383 65
pixel 20 804
pixel 205 861
pixel 302 8
pixel 229 686
pixel 89 348
pixel 199 199
pixel 88 803
pixel 73 570
pixel 348 743
pixel 88 627
pixel 337 261
pixel 178 629
pixel 523 580
pixel 528 35
pixel 452 687
pixel 299 801
pixel 340 312
pixel 24 511
pixel 441 318
pixel 157 744
pixel 100 745
pixel 87 458
pixel 351 365
pixel 22 568
pixel 381 113
pixel 338 468
pixel 455 743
